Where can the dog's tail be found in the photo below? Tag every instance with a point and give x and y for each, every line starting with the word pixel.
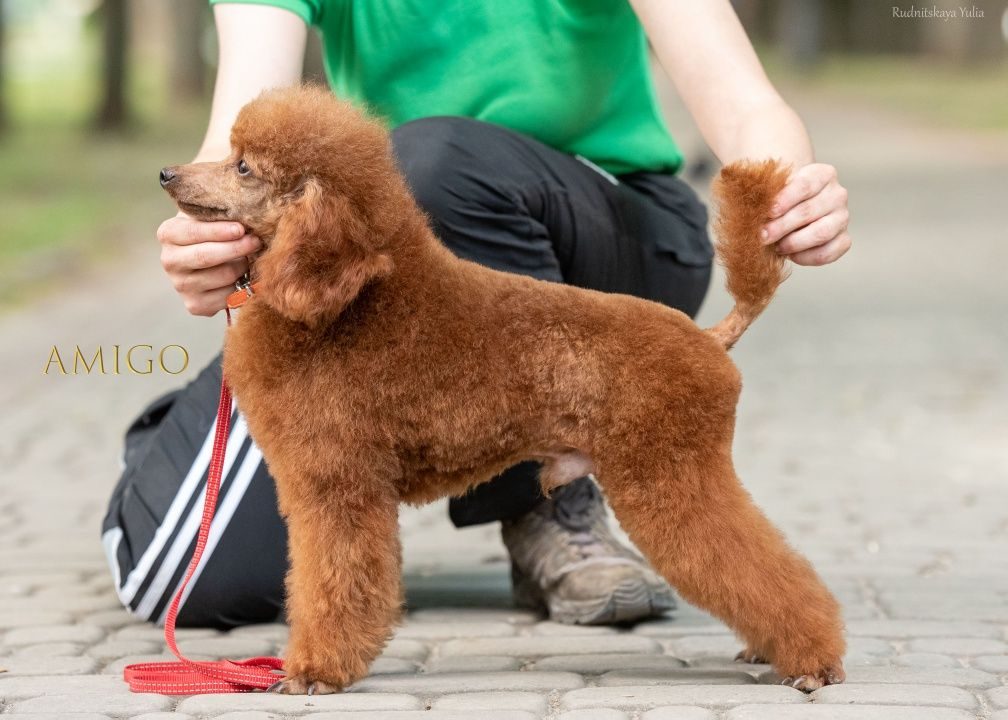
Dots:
pixel 744 192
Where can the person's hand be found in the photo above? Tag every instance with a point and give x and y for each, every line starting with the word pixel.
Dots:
pixel 809 217
pixel 204 259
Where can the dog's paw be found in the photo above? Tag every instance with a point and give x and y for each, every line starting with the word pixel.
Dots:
pixel 301 686
pixel 751 656
pixel 813 681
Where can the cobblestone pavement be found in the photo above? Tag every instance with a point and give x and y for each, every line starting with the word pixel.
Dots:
pixel 872 429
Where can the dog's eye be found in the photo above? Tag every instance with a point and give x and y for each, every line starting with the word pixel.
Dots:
pixel 243 168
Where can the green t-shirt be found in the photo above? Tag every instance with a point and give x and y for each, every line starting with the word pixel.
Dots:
pixel 573 74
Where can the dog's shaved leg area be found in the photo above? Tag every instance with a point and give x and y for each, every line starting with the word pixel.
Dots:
pixel 700 529
pixel 563 466
pixel 343 588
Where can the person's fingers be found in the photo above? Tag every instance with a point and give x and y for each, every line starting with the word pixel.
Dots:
pixel 824 254
pixel 183 230
pixel 815 234
pixel 803 184
pixel 219 277
pixel 832 197
pixel 183 258
pixel 208 303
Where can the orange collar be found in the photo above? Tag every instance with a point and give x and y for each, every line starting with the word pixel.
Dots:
pixel 244 292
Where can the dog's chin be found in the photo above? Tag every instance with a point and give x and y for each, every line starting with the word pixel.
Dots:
pixel 205 213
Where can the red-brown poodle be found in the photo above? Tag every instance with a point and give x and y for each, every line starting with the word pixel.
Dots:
pixel 374 367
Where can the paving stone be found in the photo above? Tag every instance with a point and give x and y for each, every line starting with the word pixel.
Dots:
pixel 73 604
pixel 33 618
pixel 48 650
pixel 647 697
pixel 227 647
pixel 959 646
pixel 406 649
pixel 476 663
pixel 462 615
pixel 596 663
pixel 991 663
pixel 892 694
pixel 432 630
pixel 276 632
pixel 53 633
pixel 33 581
pixel 428 715
pixel 675 627
pixel 61 716
pixel 869 646
pixel 392 666
pixel 921 628
pixel 687 676
pixel 530 647
pixel 152 633
pixel 446 683
pixel 961 677
pixel 553 629
pixel 118 618
pixel 200 705
pixel 679 713
pixel 845 712
pixel 110 703
pixel 20 688
pixel 593 714
pixel 998 697
pixel 113 649
pixel 693 646
pixel 482 701
pixel 925 660
pixel 24 665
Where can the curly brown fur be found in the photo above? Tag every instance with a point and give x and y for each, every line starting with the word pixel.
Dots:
pixel 744 192
pixel 375 367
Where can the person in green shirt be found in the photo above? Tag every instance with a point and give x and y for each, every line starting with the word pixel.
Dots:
pixel 529 132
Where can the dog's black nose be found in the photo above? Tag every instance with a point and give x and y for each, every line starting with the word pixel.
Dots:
pixel 167 175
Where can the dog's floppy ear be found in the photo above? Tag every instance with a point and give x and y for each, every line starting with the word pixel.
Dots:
pixel 321 257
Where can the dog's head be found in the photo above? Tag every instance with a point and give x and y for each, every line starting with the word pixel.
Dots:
pixel 315 179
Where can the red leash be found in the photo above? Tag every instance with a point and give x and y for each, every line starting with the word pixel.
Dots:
pixel 191 677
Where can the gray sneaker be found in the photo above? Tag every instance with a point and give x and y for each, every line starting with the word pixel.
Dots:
pixel 565 559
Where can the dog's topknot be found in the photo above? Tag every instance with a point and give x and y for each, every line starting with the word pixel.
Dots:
pixel 305 130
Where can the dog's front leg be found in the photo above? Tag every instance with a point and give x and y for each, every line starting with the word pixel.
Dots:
pixel 343 587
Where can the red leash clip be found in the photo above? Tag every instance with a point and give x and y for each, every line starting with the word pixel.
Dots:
pixel 191 677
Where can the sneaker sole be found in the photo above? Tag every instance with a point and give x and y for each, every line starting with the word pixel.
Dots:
pixel 629 602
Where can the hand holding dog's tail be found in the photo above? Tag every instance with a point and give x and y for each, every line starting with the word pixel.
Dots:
pixel 744 192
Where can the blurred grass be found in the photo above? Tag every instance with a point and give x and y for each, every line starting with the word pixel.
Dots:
pixel 72 195
pixel 970 98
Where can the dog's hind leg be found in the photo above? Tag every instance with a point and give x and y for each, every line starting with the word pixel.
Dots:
pixel 343 587
pixel 698 526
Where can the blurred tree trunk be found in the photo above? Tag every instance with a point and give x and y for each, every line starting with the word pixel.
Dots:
pixel 799 28
pixel 112 113
pixel 188 70
pixel 3 75
pixel 974 36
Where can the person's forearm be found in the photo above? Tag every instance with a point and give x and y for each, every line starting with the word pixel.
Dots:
pixel 706 53
pixel 772 129
pixel 259 47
